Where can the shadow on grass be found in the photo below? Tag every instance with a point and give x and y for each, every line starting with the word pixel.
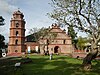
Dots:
pixel 60 65
pixel 96 67
pixel 41 65
pixel 7 65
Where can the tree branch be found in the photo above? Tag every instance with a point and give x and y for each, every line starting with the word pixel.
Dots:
pixel 84 15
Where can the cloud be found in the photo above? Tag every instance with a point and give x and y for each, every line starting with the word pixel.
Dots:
pixel 34 11
pixel 5 7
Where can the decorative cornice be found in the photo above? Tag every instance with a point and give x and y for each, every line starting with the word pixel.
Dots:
pixel 17 37
pixel 18 28
pixel 57 44
pixel 16 45
pixel 57 39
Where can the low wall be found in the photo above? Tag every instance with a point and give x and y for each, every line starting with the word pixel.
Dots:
pixel 80 55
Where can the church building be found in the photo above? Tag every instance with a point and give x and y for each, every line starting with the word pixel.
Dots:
pixel 61 44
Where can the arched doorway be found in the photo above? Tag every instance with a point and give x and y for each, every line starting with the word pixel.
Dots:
pixel 56 49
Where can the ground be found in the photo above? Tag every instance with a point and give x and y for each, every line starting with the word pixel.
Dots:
pixel 41 65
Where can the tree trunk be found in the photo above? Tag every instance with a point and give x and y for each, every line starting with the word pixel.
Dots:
pixel 87 60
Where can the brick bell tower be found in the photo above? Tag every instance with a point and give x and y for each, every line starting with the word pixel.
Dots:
pixel 17 34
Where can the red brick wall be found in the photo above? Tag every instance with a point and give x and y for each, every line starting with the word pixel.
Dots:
pixel 15 46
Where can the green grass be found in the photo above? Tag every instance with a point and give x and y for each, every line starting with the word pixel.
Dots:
pixel 41 65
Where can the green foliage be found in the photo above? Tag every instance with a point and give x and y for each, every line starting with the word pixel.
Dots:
pixel 36 33
pixel 82 14
pixel 72 33
pixel 42 33
pixel 41 65
pixel 2 38
pixel 1 21
pixel 81 43
pixel 2 43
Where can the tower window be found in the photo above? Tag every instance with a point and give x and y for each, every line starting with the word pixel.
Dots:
pixel 64 41
pixel 16 51
pixel 17 25
pixel 16 33
pixel 16 42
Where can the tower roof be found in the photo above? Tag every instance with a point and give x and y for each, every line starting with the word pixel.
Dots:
pixel 18 12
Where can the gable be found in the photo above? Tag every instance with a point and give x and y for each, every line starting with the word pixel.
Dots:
pixel 56 30
pixel 62 36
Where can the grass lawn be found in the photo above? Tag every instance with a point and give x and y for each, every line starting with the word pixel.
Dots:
pixel 41 65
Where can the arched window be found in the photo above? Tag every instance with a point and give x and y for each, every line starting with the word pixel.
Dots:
pixel 64 41
pixel 16 51
pixel 56 48
pixel 17 25
pixel 16 42
pixel 16 33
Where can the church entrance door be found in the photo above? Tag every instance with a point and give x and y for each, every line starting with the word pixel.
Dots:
pixel 56 49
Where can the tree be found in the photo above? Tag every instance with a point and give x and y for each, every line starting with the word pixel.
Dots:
pixel 38 33
pixel 1 21
pixel 71 32
pixel 41 34
pixel 1 36
pixel 81 43
pixel 2 43
pixel 34 35
pixel 83 15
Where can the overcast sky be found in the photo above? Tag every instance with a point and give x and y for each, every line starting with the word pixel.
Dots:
pixel 35 12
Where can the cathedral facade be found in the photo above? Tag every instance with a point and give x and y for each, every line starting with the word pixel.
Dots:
pixel 60 44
